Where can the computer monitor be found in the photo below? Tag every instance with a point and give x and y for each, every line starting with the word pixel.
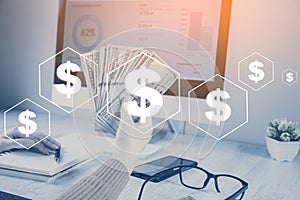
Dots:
pixel 84 24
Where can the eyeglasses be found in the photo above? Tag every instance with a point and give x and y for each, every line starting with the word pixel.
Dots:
pixel 197 178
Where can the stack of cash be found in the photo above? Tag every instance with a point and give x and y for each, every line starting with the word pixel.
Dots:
pixel 106 79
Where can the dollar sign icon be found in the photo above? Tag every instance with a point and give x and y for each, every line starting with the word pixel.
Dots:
pixel 259 74
pixel 73 83
pixel 222 110
pixel 135 83
pixel 289 77
pixel 30 125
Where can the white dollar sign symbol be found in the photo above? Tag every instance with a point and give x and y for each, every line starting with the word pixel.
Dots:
pixel 223 111
pixel 30 126
pixel 289 77
pixel 135 83
pixel 73 83
pixel 259 74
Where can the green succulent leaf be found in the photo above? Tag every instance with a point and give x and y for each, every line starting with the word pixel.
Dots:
pixel 283 130
pixel 285 137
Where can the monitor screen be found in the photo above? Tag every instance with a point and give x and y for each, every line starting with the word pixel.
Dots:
pixel 88 23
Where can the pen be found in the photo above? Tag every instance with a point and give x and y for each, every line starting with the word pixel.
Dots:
pixel 57 154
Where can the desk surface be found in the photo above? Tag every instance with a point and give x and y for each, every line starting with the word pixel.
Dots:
pixel 268 179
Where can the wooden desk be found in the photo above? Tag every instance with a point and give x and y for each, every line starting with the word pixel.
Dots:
pixel 268 179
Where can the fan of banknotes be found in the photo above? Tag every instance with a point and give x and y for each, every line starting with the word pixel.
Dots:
pixel 124 71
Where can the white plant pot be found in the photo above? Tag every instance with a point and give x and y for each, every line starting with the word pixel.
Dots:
pixel 282 151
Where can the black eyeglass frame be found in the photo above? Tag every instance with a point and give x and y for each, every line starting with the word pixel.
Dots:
pixel 183 168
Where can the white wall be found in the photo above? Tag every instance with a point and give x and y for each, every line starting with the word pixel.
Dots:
pixel 272 28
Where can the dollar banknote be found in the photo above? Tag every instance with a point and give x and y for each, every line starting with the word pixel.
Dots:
pixel 106 80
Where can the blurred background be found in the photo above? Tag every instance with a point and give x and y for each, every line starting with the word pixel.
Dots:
pixel 271 27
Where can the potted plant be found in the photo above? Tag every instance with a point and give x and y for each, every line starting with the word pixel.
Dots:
pixel 283 139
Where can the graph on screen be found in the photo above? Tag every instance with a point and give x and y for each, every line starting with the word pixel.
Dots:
pixel 88 23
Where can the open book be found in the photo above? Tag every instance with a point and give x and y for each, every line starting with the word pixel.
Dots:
pixel 35 166
pixel 29 165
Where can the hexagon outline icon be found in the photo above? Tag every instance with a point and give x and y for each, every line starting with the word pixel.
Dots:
pixel 107 91
pixel 36 104
pixel 286 71
pixel 272 67
pixel 49 100
pixel 234 129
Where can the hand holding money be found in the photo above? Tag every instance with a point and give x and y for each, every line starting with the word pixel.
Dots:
pixel 131 138
pixel 123 63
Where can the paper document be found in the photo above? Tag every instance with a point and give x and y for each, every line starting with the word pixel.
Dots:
pixel 35 166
